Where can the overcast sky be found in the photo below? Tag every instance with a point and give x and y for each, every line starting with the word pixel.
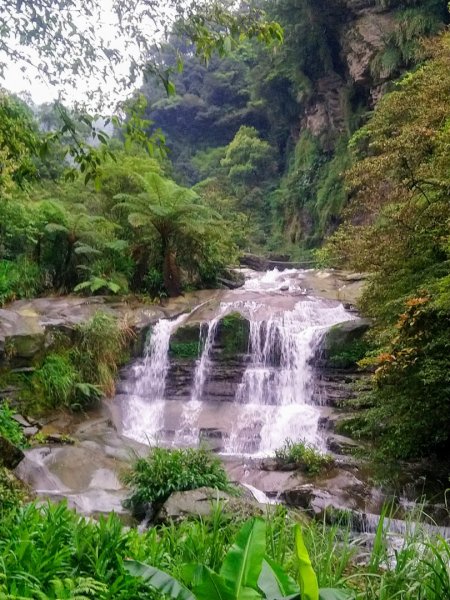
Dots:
pixel 29 82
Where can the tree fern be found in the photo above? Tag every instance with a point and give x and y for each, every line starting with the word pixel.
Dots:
pixel 81 588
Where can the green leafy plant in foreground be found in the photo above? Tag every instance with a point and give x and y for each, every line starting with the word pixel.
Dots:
pixel 11 492
pixel 246 574
pixel 9 428
pixel 304 456
pixel 165 471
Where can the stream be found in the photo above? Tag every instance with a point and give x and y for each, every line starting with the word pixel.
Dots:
pixel 236 371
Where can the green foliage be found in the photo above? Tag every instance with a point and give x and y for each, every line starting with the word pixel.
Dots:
pixel 55 381
pixel 402 48
pixel 164 471
pixel 348 355
pixel 19 279
pixel 234 334
pixel 11 493
pixel 19 142
pixel 65 50
pixel 184 349
pixel 82 369
pixel 304 456
pixel 246 573
pixel 96 284
pixel 48 551
pixel 101 345
pixel 154 283
pixel 397 229
pixel 9 428
pixel 249 161
pixel 188 233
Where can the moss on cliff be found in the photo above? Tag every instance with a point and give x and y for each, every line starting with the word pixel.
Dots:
pixel 233 334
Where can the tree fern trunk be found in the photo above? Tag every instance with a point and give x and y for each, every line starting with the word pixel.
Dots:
pixel 171 272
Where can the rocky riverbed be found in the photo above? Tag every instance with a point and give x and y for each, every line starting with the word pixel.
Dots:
pixel 82 456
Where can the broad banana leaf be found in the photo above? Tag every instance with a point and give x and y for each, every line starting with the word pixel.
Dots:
pixel 275 583
pixel 243 563
pixel 308 580
pixel 208 585
pixel 159 580
pixel 332 594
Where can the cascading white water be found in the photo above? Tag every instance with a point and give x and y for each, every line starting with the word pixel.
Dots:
pixel 144 417
pixel 188 433
pixel 277 386
pixel 275 399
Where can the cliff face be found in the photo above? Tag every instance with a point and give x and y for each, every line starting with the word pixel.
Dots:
pixel 357 30
pixel 353 51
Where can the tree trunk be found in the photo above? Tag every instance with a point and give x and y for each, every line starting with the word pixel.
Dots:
pixel 171 272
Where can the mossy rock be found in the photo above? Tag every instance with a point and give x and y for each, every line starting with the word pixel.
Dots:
pixel 233 334
pixel 344 344
pixel 200 503
pixel 185 342
pixel 232 338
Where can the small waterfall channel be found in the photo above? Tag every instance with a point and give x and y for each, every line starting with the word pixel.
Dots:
pixel 145 410
pixel 275 398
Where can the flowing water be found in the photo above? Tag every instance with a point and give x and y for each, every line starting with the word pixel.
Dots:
pixel 145 409
pixel 277 389
pixel 276 397
pixel 188 434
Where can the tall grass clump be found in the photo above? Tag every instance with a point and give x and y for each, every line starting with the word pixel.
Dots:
pixel 304 456
pixel 56 379
pixel 81 368
pixel 165 471
pixel 100 347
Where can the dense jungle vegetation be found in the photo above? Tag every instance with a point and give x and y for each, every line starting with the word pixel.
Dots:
pixel 264 147
pixel 252 131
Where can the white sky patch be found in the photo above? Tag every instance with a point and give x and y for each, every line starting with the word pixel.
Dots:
pixel 26 80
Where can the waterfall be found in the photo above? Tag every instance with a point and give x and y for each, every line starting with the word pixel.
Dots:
pixel 277 386
pixel 273 384
pixel 188 433
pixel 144 417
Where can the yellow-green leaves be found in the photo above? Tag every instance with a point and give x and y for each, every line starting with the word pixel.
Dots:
pixel 308 580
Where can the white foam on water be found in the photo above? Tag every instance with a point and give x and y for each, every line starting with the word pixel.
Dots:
pixel 143 415
pixel 277 386
pixel 275 399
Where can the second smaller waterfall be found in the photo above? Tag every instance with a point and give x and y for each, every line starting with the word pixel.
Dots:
pixel 189 433
pixel 144 418
pixel 275 397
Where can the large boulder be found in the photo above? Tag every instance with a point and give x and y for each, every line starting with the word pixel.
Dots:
pixel 341 491
pixel 342 334
pixel 201 502
pixel 343 345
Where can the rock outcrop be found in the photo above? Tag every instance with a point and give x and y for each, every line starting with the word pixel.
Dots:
pixel 201 502
pixel 10 455
pixel 356 32
pixel 28 327
pixel 229 354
